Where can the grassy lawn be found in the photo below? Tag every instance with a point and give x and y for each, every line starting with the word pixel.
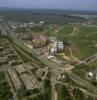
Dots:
pixel 58 30
pixel 66 29
pixel 82 49
pixel 86 30
pixel 63 31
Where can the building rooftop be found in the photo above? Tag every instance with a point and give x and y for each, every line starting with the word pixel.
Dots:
pixel 20 69
pixel 29 82
pixel 15 79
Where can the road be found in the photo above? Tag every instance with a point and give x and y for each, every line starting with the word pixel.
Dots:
pixel 53 82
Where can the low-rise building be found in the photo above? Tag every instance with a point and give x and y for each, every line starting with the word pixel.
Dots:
pixel 15 62
pixel 14 79
pixel 28 65
pixel 20 69
pixel 3 60
pixel 42 73
pixel 30 83
pixel 92 74
pixel 28 79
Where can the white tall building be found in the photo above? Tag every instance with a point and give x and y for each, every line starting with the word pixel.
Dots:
pixel 57 46
pixel 60 45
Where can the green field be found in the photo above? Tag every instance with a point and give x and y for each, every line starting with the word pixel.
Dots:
pixel 84 42
pixel 82 48
pixel 84 31
pixel 66 29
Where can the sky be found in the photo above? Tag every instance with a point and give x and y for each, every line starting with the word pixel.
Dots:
pixel 90 5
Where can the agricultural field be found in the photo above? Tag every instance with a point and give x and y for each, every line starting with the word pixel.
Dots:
pixel 59 31
pixel 82 48
pixel 84 42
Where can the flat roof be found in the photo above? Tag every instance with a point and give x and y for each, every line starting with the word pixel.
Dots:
pixel 15 79
pixel 28 81
pixel 20 69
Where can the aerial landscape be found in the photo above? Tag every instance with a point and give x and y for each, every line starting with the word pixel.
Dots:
pixel 48 50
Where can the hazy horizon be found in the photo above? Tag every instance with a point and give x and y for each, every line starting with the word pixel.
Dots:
pixel 84 5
